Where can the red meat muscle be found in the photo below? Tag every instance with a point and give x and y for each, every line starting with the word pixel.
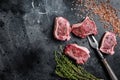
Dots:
pixel 85 28
pixel 78 53
pixel 62 29
pixel 108 43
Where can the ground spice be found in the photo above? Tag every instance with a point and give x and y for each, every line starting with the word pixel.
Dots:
pixel 107 13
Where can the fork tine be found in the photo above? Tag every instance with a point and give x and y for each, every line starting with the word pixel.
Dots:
pixel 94 39
pixel 93 42
pixel 89 40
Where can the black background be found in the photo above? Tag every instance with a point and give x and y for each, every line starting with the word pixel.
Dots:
pixel 27 42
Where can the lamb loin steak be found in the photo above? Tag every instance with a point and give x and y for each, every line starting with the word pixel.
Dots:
pixel 78 53
pixel 108 43
pixel 85 28
pixel 62 29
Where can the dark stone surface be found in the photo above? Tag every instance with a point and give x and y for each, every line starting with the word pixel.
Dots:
pixel 27 42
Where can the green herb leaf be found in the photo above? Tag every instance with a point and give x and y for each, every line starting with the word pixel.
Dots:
pixel 66 69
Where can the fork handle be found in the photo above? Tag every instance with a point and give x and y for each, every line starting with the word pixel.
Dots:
pixel 109 69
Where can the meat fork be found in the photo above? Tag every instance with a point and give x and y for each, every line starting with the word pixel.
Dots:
pixel 94 44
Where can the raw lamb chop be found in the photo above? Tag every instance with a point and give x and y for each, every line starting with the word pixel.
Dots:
pixel 85 28
pixel 78 53
pixel 62 29
pixel 108 43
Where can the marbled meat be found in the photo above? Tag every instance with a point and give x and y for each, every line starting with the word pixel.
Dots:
pixel 108 43
pixel 85 28
pixel 62 29
pixel 78 53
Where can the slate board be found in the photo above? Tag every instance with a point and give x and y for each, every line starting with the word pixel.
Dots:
pixel 27 42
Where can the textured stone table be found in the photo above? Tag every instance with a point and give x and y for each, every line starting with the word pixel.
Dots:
pixel 27 42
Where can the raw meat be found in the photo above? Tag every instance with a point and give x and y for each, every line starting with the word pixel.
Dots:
pixel 79 53
pixel 62 29
pixel 85 28
pixel 108 43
